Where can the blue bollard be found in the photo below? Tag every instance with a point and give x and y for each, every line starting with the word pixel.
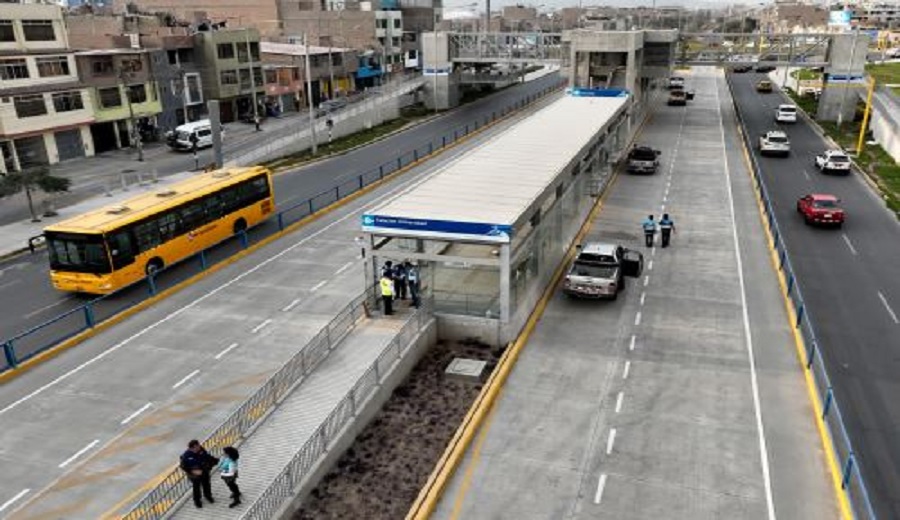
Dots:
pixel 10 353
pixel 399 162
pixel 783 258
pixel 443 141
pixel 790 283
pixel 152 281
pixel 829 396
pixel 847 469
pixel 361 182
pixel 800 311
pixel 244 241
pixel 203 263
pixel 88 315
pixel 381 172
pixel 280 223
pixel 430 148
pixel 310 204
pixel 811 354
pixel 415 155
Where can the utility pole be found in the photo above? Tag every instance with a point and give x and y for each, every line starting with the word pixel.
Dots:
pixel 136 135
pixel 312 113
pixel 252 75
pixel 184 93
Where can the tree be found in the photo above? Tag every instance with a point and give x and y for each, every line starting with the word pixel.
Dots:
pixel 37 178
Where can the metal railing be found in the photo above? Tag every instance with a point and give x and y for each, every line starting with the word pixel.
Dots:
pixel 852 481
pixel 303 462
pixel 46 335
pixel 164 496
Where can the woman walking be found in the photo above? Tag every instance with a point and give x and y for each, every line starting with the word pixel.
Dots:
pixel 229 468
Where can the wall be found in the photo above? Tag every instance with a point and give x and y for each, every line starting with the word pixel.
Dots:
pixel 11 124
pixel 885 123
pixel 261 14
pixel 349 29
pixel 18 12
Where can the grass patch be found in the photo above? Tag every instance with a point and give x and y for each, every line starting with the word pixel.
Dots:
pixel 808 103
pixel 806 74
pixel 682 67
pixel 886 74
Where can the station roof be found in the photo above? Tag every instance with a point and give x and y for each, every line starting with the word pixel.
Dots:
pixel 486 193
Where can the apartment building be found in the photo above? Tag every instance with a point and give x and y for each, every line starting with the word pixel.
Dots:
pixel 325 65
pixel 45 114
pixel 231 71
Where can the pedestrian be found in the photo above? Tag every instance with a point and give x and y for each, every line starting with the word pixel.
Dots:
pixel 197 464
pixel 387 294
pixel 400 280
pixel 666 228
pixel 412 279
pixel 256 122
pixel 649 227
pixel 388 269
pixel 228 467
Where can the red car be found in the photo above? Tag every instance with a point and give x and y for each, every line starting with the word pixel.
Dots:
pixel 819 208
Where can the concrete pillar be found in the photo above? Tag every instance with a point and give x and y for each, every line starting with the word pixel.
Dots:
pixel 505 273
pixel 844 77
pixel 87 140
pixel 50 146
pixel 441 86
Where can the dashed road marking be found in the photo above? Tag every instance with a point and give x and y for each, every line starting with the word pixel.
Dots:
pixel 346 266
pixel 626 370
pixel 79 453
pixel 261 326
pixel 228 349
pixel 610 440
pixel 633 339
pixel 643 297
pixel 637 318
pixel 318 286
pixel 13 500
pixel 650 265
pixel 806 174
pixel 619 401
pixel 646 280
pixel 139 411
pixel 185 379
pixel 849 244
pixel 888 307
pixel 598 496
pixel 291 305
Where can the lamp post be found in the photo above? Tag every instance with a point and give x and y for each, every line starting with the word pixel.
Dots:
pixel 134 130
pixel 312 115
pixel 252 76
pixel 182 76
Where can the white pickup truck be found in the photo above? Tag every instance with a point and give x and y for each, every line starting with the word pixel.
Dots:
pixel 833 161
pixel 774 142
pixel 599 271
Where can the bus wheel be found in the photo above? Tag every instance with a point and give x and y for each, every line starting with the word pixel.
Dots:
pixel 154 266
pixel 240 225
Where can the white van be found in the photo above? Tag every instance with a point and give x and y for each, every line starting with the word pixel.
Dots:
pixel 786 114
pixel 184 136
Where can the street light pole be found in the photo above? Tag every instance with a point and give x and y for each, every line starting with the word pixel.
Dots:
pixel 134 130
pixel 252 75
pixel 312 115
pixel 184 93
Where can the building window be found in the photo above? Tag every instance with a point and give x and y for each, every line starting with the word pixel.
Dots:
pixel 337 60
pixel 30 106
pixel 381 23
pixel 195 93
pixel 258 76
pixel 110 97
pixel 225 51
pixel 55 66
pixel 137 94
pixel 13 69
pixel 102 67
pixel 38 30
pixel 132 65
pixel 254 50
pixel 173 57
pixel 271 77
pixel 396 23
pixel 67 101
pixel 243 53
pixel 185 55
pixel 229 77
pixel 245 79
pixel 7 33
pixel 395 41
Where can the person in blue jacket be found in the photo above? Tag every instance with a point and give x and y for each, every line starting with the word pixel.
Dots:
pixel 649 227
pixel 228 467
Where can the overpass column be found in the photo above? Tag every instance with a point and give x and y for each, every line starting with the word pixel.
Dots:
pixel 846 70
pixel 441 85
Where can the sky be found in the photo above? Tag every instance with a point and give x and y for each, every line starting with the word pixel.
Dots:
pixel 556 4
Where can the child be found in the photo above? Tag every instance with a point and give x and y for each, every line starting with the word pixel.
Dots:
pixel 229 468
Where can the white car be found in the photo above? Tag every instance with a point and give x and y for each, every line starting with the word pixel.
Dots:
pixel 833 161
pixel 786 114
pixel 774 142
pixel 676 82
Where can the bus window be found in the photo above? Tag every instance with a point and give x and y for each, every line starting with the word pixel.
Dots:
pixel 121 249
pixel 78 253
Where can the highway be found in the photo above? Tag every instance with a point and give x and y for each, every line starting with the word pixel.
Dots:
pixel 849 282
pixel 40 302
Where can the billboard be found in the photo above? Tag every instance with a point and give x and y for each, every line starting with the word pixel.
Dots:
pixel 839 18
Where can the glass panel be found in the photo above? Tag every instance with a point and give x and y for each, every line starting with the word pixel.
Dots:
pixel 77 253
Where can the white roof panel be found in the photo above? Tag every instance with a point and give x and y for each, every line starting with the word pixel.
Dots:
pixel 487 190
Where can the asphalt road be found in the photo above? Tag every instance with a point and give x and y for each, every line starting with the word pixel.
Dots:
pixel 29 300
pixel 849 281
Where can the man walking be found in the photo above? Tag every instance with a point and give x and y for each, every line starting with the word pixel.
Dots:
pixel 197 463
pixel 387 294
pixel 666 228
pixel 649 227
pixel 412 280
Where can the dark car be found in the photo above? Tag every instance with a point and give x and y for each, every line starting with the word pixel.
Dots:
pixel 740 69
pixel 765 68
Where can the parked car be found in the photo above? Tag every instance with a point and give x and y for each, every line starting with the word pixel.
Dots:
pixel 833 161
pixel 774 142
pixel 820 208
pixel 599 271
pixel 677 98
pixel 676 82
pixel 643 159
pixel 764 86
pixel 786 114
pixel 740 69
pixel 765 68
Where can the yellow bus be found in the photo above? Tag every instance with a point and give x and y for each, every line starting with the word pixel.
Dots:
pixel 109 248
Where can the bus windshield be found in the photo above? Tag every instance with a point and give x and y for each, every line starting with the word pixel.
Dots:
pixel 78 253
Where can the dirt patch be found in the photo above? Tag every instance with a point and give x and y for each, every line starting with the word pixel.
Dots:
pixel 380 476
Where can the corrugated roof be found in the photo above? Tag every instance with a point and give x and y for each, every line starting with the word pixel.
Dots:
pixel 492 186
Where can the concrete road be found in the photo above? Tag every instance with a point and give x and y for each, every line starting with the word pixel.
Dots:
pixel 683 398
pixel 849 281
pixel 83 433
pixel 29 299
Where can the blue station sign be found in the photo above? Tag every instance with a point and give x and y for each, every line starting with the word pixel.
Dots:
pixel 437 228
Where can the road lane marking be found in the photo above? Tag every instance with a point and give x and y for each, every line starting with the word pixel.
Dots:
pixel 806 174
pixel 633 338
pixel 348 265
pixel 228 349
pixel 185 379
pixel 646 280
pixel 318 286
pixel 637 318
pixel 13 500
pixel 261 326
pixel 600 485
pixel 137 412
pixel 748 335
pixel 643 297
pixel 9 284
pixel 650 266
pixel 888 307
pixel 79 453
pixel 662 208
pixel 652 251
pixel 619 401
pixel 849 244
pixel 611 440
pixel 626 369
pixel 291 305
pixel 48 307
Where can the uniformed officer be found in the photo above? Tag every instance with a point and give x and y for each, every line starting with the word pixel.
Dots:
pixel 666 228
pixel 649 227
pixel 387 294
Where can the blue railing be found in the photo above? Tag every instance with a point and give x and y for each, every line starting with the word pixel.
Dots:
pixel 852 482
pixel 51 333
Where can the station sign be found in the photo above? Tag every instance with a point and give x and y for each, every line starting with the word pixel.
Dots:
pixel 443 229
pixel 596 92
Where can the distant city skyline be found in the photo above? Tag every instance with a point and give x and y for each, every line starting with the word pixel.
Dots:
pixel 558 4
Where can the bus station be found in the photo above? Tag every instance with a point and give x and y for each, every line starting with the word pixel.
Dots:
pixel 488 230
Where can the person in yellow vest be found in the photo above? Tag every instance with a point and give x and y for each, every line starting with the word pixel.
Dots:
pixel 387 294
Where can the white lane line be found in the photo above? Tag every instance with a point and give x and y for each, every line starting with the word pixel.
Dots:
pixel 763 449
pixel 291 305
pixel 888 307
pixel 662 207
pixel 643 297
pixel 598 496
pixel 652 251
pixel 177 312
pixel 348 265
pixel 228 349
pixel 626 370
pixel 646 280
pixel 137 412
pixel 633 339
pixel 47 307
pixel 318 286
pixel 650 266
pixel 849 244
pixel 13 500
pixel 79 453
pixel 9 284
pixel 610 440
pixel 806 174
pixel 261 326
pixel 619 401
pixel 185 379
pixel 637 318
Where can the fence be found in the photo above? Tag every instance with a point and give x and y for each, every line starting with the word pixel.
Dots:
pixel 852 481
pixel 286 483
pixel 46 335
pixel 160 499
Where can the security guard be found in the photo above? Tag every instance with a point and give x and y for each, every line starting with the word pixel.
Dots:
pixel 387 294
pixel 649 227
pixel 666 227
